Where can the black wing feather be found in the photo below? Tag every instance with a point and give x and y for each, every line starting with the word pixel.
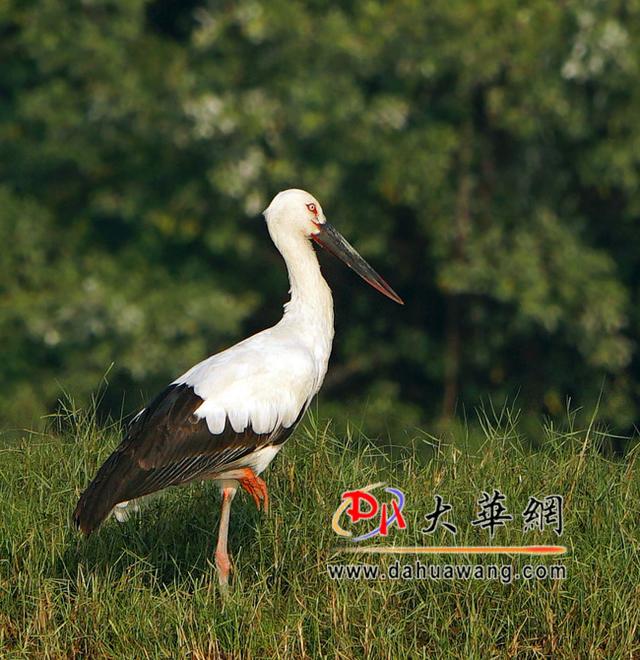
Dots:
pixel 166 445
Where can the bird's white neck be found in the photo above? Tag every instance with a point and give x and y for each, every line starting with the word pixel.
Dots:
pixel 310 309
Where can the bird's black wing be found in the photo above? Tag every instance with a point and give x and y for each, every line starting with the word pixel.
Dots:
pixel 167 444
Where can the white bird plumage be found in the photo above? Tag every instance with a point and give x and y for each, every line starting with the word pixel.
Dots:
pixel 268 379
pixel 249 396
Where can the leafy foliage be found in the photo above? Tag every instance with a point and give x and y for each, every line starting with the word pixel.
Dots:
pixel 483 155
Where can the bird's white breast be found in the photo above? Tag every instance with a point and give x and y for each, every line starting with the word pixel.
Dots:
pixel 268 380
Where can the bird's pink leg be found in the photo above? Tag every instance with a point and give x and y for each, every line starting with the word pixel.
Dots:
pixel 223 563
pixel 256 487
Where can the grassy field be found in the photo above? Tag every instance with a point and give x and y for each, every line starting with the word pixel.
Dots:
pixel 148 588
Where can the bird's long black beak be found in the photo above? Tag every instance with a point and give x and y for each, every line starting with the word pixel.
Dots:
pixel 333 241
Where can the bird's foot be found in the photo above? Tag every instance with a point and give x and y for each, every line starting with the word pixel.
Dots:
pixel 256 487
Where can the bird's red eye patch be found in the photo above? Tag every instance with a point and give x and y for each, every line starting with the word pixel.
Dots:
pixel 312 207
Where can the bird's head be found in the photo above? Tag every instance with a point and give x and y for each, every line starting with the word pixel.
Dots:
pixel 295 211
pixel 298 212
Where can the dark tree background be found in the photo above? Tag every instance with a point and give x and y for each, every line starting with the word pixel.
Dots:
pixel 484 156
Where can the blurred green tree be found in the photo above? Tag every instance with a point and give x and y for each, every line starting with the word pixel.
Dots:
pixel 483 155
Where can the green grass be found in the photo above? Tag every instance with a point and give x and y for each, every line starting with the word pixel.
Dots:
pixel 148 588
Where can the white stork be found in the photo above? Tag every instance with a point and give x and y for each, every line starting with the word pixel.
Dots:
pixel 227 417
